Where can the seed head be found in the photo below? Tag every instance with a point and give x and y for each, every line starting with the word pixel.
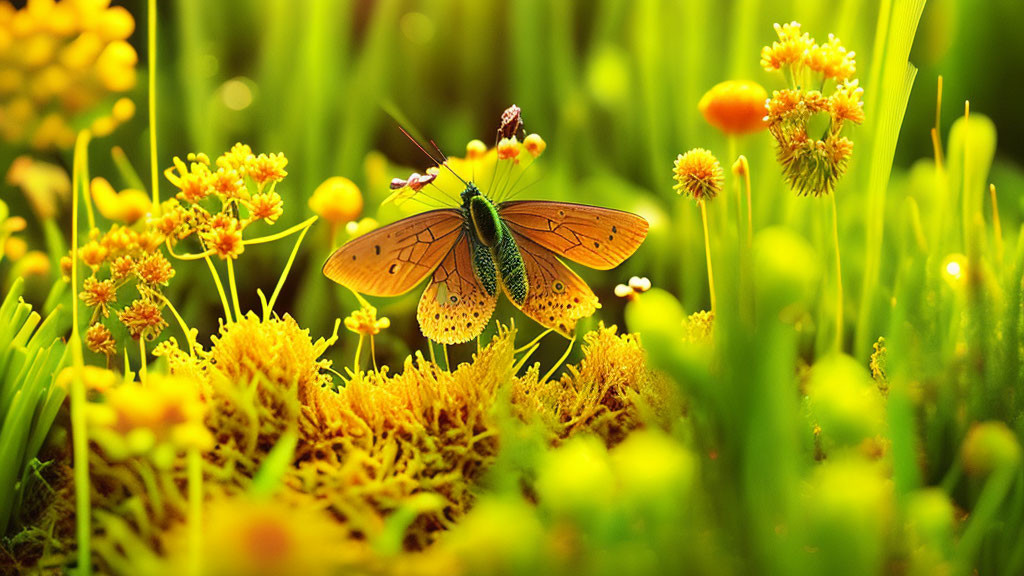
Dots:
pixel 698 174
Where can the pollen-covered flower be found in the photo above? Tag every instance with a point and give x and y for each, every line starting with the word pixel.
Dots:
pixel 788 50
pixel 227 183
pixel 237 158
pixel 831 60
pixel 508 149
pixel 735 106
pixel 122 268
pixel 365 322
pixel 337 200
pixel 845 104
pixel 154 270
pixel 264 169
pixel 93 254
pixel 99 339
pixel 193 181
pixel 98 294
pixel 266 206
pixel 126 206
pixel 143 319
pixel 534 144
pixel 225 241
pixel 699 174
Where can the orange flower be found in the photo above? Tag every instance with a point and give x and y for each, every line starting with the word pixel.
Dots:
pixel 99 339
pixel 508 148
pixel 735 106
pixel 534 144
pixel 143 319
pixel 93 254
pixel 266 207
pixel 263 168
pixel 788 50
pixel 831 60
pixel 228 183
pixel 225 241
pixel 98 294
pixel 237 158
pixel 122 268
pixel 154 270
pixel 699 174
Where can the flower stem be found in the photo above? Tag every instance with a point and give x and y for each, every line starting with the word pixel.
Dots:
pixel 565 355
pixel 707 254
pixel 447 362
pixel 80 164
pixel 287 268
pixel 79 432
pixel 220 289
pixel 997 228
pixel 750 211
pixel 151 47
pixel 264 239
pixel 839 277
pixel 739 194
pixel 181 322
pixel 234 289
pixel 143 376
pixel 359 352
pixel 373 354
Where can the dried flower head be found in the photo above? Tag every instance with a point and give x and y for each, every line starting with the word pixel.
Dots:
pixel 735 106
pixel 511 122
pixel 143 319
pixel 365 322
pixel 698 174
pixel 337 200
pixel 99 339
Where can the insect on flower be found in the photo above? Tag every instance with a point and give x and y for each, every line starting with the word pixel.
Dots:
pixel 468 250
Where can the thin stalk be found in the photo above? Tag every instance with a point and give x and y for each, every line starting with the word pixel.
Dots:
pixel 739 194
pixel 181 322
pixel 997 228
pixel 80 164
pixel 965 191
pixel 220 289
pixel 565 355
pixel 447 362
pixel 532 342
pixel 359 352
pixel 234 289
pixel 839 277
pixel 373 353
pixel 79 433
pixel 746 183
pixel 151 46
pixel 195 512
pixel 707 254
pixel 143 375
pixel 287 268
pixel 264 239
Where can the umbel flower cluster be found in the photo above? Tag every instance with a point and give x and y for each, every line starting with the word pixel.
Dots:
pixel 808 124
pixel 62 66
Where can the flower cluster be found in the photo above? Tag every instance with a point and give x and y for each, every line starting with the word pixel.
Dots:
pixel 62 64
pixel 120 257
pixel 217 201
pixel 812 159
pixel 365 322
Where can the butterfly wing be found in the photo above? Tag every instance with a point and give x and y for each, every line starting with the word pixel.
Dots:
pixel 456 305
pixel 557 297
pixel 391 260
pixel 600 238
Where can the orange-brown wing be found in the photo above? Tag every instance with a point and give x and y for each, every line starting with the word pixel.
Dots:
pixel 558 297
pixel 391 260
pixel 455 307
pixel 596 237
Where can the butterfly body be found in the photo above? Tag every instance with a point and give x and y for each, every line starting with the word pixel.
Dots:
pixel 468 250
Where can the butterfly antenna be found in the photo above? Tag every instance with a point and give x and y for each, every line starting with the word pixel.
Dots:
pixel 434 160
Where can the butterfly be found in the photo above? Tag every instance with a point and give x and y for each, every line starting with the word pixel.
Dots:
pixel 471 250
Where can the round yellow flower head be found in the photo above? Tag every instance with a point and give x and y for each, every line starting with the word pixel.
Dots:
pixel 698 174
pixel 99 339
pixel 534 144
pixel 365 322
pixel 338 200
pixel 735 107
pixel 475 149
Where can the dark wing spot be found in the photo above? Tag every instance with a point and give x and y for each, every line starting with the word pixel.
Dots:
pixel 454 299
pixel 561 213
pixel 614 229
pixel 353 257
pixel 611 237
pixel 437 316
pixel 377 249
pixel 597 245
pixel 393 268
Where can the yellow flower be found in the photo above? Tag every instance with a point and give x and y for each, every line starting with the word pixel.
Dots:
pixel 266 207
pixel 699 327
pixel 99 339
pixel 122 267
pixel 508 149
pixel 154 270
pixel 236 159
pixel 225 241
pixel 475 149
pixel 788 50
pixel 845 104
pixel 735 106
pixel 33 263
pixel 337 200
pixel 263 169
pixel 831 60
pixel 93 254
pixel 193 181
pixel 534 144
pixel 143 319
pixel 98 294
pixel 228 183
pixel 15 248
pixel 698 174
pixel 45 185
pixel 990 446
pixel 365 322
pixel 126 206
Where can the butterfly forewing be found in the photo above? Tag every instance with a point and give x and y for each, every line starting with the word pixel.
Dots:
pixel 558 297
pixel 600 238
pixel 391 260
pixel 456 306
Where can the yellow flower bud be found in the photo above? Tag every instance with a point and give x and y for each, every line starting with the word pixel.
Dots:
pixel 337 200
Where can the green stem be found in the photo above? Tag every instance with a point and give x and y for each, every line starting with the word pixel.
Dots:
pixel 707 254
pixel 79 432
pixel 359 352
pixel 234 289
pixel 839 277
pixel 220 289
pixel 565 355
pixel 143 376
pixel 287 268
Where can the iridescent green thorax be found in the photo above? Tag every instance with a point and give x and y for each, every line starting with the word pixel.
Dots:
pixel 491 237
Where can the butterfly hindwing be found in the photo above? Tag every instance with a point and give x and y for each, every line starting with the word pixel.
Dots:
pixel 600 238
pixel 456 306
pixel 391 260
pixel 557 297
